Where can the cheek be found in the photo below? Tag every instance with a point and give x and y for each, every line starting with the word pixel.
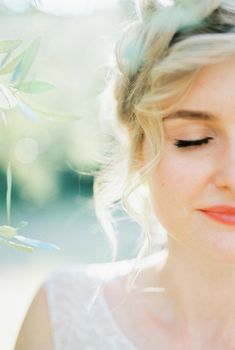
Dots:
pixel 176 186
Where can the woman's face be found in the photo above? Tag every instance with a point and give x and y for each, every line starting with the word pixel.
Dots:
pixel 193 186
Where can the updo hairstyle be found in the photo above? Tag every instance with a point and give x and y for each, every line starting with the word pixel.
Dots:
pixel 158 57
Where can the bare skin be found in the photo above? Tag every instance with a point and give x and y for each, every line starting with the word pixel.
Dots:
pixel 157 319
pixel 197 309
pixel 35 333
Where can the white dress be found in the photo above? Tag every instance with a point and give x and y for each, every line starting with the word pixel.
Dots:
pixel 80 316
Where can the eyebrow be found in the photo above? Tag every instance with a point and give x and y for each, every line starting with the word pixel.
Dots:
pixel 190 115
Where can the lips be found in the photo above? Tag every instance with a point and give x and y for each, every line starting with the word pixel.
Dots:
pixel 221 213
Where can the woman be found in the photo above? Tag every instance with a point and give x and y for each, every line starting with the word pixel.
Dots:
pixel 175 105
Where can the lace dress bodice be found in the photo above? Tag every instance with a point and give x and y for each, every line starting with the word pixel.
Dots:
pixel 80 317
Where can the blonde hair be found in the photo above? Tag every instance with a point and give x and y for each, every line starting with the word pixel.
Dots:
pixel 157 59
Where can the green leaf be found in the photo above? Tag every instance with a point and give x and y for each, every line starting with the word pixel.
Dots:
pixel 7 98
pixel 18 246
pixel 55 116
pixel 8 45
pixel 58 116
pixel 28 59
pixel 34 243
pixel 7 231
pixel 35 87
pixel 9 67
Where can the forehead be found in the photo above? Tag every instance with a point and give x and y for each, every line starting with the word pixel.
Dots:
pixel 213 90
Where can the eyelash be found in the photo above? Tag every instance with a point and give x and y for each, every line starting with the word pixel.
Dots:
pixel 192 143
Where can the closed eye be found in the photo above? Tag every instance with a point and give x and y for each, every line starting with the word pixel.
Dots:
pixel 191 143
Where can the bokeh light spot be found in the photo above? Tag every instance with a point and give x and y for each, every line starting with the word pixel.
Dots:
pixel 26 150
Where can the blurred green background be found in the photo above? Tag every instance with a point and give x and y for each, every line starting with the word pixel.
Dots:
pixel 51 152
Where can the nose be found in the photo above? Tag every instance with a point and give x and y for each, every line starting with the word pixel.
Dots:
pixel 225 174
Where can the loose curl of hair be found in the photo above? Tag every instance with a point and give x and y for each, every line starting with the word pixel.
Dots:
pixel 157 59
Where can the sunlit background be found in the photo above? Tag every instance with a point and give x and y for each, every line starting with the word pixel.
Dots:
pixel 52 140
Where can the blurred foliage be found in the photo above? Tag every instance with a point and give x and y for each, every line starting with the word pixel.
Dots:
pixel 17 68
pixel 17 149
pixel 47 132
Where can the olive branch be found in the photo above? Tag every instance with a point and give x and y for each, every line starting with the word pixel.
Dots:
pixel 16 67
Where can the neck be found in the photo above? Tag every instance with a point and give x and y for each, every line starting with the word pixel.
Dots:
pixel 201 290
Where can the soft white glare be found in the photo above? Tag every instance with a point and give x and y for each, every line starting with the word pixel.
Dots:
pixel 166 2
pixel 26 150
pixel 59 8
pixel 16 5
pixel 72 7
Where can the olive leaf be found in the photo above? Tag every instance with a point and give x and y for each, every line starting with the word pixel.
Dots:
pixel 9 236
pixel 18 246
pixel 7 98
pixel 10 97
pixel 34 243
pixel 11 66
pixel 56 116
pixel 9 45
pixel 28 59
pixel 34 87
pixel 7 231
pixel 28 111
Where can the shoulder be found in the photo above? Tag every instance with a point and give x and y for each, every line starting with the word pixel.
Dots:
pixel 35 332
pixel 65 299
pixel 65 295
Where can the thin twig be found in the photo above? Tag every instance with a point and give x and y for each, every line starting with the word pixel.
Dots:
pixel 8 195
